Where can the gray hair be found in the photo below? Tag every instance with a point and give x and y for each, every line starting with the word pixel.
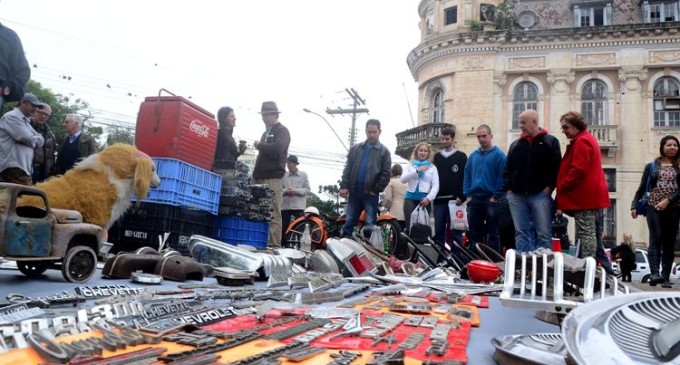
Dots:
pixel 75 118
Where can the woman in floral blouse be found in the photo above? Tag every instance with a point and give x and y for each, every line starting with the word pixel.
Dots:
pixel 663 211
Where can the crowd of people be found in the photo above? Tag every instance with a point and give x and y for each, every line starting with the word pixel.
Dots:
pixel 27 144
pixel 508 198
pixel 489 182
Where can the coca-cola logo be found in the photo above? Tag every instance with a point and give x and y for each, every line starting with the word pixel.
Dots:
pixel 199 128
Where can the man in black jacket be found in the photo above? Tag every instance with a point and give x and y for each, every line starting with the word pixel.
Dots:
pixel 529 178
pixel 14 69
pixel 270 165
pixel 365 176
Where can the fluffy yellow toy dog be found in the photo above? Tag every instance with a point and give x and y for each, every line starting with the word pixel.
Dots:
pixel 100 187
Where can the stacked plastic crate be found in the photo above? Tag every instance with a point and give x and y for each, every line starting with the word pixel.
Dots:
pixel 181 137
pixel 244 210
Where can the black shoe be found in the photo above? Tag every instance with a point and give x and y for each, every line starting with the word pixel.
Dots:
pixel 655 279
pixel 666 284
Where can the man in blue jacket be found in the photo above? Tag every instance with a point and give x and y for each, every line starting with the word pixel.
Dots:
pixel 483 187
pixel 365 176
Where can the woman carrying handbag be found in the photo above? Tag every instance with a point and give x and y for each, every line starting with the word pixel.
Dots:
pixel 422 179
pixel 662 210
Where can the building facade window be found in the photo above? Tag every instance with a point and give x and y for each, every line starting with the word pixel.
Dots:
pixel 667 102
pixel 438 106
pixel 594 102
pixel 609 225
pixel 610 178
pixel 524 96
pixel 592 15
pixel 451 15
pixel 429 23
pixel 659 12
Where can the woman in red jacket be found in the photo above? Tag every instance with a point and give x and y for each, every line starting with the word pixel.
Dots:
pixel 581 187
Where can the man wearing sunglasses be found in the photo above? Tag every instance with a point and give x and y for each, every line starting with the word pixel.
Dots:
pixel 43 157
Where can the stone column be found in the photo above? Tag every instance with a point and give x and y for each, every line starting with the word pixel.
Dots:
pixel 559 80
pixel 634 127
pixel 501 121
pixel 634 148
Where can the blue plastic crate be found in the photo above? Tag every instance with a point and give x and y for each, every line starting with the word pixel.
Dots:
pixel 186 185
pixel 239 231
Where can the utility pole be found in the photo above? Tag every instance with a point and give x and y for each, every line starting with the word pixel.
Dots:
pixel 357 100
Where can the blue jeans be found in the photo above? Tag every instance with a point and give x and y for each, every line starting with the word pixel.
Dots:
pixel 531 214
pixel 483 222
pixel 663 227
pixel 356 202
pixel 442 221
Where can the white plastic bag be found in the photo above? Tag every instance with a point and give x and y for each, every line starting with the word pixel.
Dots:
pixel 458 214
pixel 420 216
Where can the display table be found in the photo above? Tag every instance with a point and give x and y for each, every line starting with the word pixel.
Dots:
pixel 495 321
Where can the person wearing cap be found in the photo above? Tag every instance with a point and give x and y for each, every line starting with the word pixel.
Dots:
pixel 295 191
pixel 14 69
pixel 76 144
pixel 17 141
pixel 43 157
pixel 270 164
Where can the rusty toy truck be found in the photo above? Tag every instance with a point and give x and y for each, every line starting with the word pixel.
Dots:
pixel 41 238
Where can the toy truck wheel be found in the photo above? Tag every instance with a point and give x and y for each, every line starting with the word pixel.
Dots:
pixel 79 264
pixel 32 268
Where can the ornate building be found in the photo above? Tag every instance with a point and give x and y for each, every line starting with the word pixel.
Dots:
pixel 616 61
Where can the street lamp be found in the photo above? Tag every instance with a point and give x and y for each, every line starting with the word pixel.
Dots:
pixel 329 126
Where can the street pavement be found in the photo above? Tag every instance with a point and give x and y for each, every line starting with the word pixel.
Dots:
pixel 646 287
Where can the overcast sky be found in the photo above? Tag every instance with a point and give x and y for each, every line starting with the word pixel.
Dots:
pixel 299 53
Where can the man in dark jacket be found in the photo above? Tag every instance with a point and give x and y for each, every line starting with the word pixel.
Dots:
pixel 43 157
pixel 14 69
pixel 270 165
pixel 76 145
pixel 365 176
pixel 529 177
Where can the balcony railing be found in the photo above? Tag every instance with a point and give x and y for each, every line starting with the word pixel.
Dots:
pixel 408 139
pixel 606 137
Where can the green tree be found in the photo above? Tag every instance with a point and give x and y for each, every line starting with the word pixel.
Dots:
pixel 505 15
pixel 118 134
pixel 333 190
pixel 476 25
pixel 326 207
pixel 62 105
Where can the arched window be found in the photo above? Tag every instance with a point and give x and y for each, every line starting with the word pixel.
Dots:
pixel 438 106
pixel 667 102
pixel 524 96
pixel 594 102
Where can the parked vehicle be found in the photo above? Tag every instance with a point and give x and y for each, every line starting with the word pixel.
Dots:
pixel 642 273
pixel 41 238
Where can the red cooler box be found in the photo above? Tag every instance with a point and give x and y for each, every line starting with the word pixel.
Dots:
pixel 174 127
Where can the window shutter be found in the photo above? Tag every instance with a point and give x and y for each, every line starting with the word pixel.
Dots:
pixel 608 14
pixel 645 12
pixel 577 16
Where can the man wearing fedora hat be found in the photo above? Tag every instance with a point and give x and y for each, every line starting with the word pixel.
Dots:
pixel 17 141
pixel 270 164
pixel 295 191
